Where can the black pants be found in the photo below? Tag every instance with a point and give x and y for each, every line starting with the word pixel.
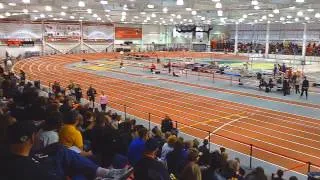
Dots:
pixel 92 98
pixel 297 89
pixel 304 90
pixel 103 107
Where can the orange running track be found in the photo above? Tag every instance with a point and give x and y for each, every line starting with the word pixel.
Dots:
pixel 284 139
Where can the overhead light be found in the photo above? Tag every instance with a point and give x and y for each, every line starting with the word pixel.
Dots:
pixel 7 14
pixel 173 15
pixel 106 10
pixel 276 11
pixel 188 9
pixel 220 13
pixel 300 13
pixel 12 4
pixel 81 4
pixel 317 15
pixel 103 2
pixel 71 17
pixel 244 16
pixel 95 15
pixel 64 7
pixel 35 18
pixel 296 19
pixel 26 1
pixel 254 2
pixel 256 21
pixel 148 18
pixel 203 18
pixel 50 15
pixel 264 17
pixel 48 8
pixel 81 17
pixel 171 20
pixel 218 5
pixel 256 7
pixel 180 3
pixel 307 18
pixel 282 18
pixel 299 1
pixel 150 6
pixel 178 16
pixel 289 17
pixel 62 13
pixel 153 15
pixel 35 11
pixel 143 13
pixel 107 15
pixel 165 10
pixel 1 6
pixel 89 11
pixel 42 15
pixel 215 0
pixel 292 7
pixel 99 19
pixel 1 16
pixel 269 22
pixel 190 21
pixel 193 12
pixel 26 11
pixel 136 17
pixel 310 10
pixel 271 15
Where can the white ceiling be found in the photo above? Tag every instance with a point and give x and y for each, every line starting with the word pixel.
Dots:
pixel 233 11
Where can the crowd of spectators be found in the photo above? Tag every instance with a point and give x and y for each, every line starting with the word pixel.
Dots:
pixel 52 135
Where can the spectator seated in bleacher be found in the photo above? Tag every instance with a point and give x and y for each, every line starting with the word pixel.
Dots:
pixel 148 167
pixel 137 146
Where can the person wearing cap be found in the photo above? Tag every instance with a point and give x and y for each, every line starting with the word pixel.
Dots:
pixel 192 170
pixel 17 163
pixel 148 168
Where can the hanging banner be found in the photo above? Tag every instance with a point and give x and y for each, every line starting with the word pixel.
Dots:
pixel 62 32
pixel 128 33
pixel 100 33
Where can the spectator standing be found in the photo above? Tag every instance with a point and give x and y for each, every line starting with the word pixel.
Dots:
pixel 91 93
pixel 279 175
pixel 78 93
pixel 103 101
pixel 137 146
pixel 192 170
pixel 168 147
pixel 257 173
pixel 305 87
pixel 176 159
pixel 148 168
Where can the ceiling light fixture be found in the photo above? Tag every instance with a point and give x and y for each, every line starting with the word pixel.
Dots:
pixel 300 1
pixel 143 13
pixel 1 6
pixel 188 9
pixel 178 16
pixel 317 15
pixel 153 15
pixel 276 11
pixel 307 18
pixel 244 16
pixel 310 10
pixel 296 19
pixel 103 2
pixel 256 7
pixel 71 17
pixel 150 6
pixel 42 16
pixel 48 8
pixel 89 11
pixel 165 10
pixel 220 13
pixel 62 13
pixel 26 1
pixel 300 13
pixel 26 11
pixel 254 2
pixel 194 12
pixel 180 2
pixel 81 4
pixel 64 7
pixel 271 15
pixel 218 5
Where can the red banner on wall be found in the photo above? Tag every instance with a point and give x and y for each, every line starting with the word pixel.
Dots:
pixel 128 33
